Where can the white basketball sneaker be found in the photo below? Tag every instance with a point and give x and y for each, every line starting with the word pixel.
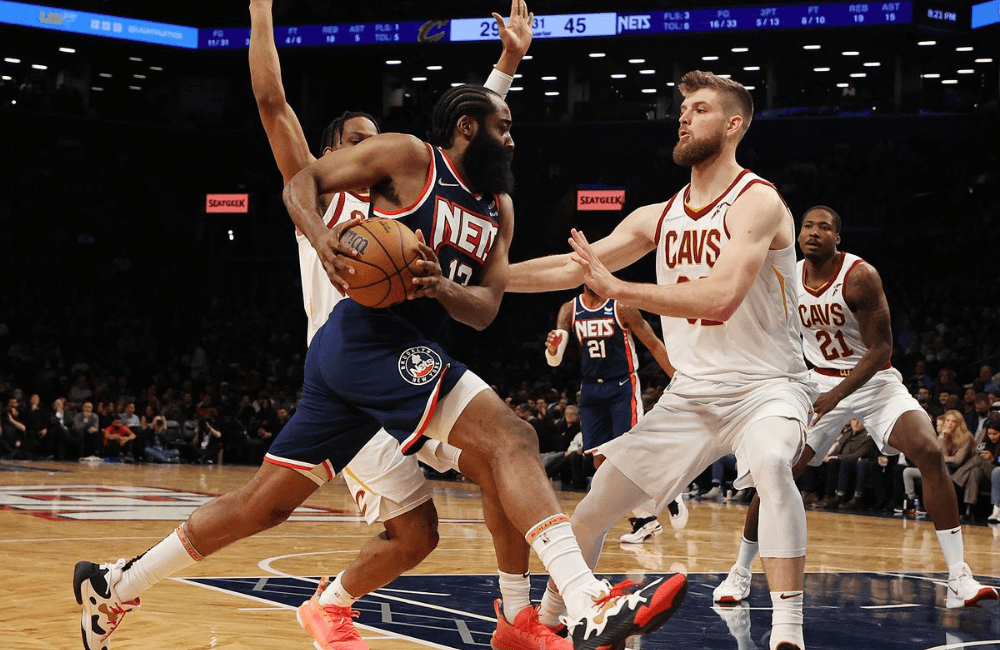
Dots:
pixel 735 588
pixel 964 591
pixel 678 513
pixel 642 529
pixel 102 610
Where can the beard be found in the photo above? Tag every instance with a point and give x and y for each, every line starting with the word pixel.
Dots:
pixel 487 163
pixel 694 152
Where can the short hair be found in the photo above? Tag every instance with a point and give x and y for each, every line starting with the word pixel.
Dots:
pixel 333 133
pixel 830 211
pixel 733 91
pixel 475 101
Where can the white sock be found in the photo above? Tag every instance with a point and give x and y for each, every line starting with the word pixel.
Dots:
pixel 786 619
pixel 515 591
pixel 335 594
pixel 172 554
pixel 553 541
pixel 953 548
pixel 552 606
pixel 748 551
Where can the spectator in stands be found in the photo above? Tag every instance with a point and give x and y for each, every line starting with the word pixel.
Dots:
pixel 208 442
pixel 991 448
pixel 158 447
pixel 129 418
pixel 925 396
pixel 556 458
pixel 12 430
pixel 919 378
pixel 978 469
pixel 107 413
pixel 205 408
pixel 65 437
pixel 976 419
pixel 847 465
pixel 957 445
pixel 36 422
pixel 986 382
pixel 87 427
pixel 117 441
pixel 945 383
pixel 80 392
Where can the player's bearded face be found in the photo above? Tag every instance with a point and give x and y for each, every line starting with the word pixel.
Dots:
pixel 488 164
pixel 691 151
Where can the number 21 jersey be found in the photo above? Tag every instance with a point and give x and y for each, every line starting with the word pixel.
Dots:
pixel 831 335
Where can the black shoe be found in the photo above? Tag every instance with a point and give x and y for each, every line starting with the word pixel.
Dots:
pixel 628 609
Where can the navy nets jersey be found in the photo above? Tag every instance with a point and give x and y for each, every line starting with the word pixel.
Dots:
pixel 606 347
pixel 459 225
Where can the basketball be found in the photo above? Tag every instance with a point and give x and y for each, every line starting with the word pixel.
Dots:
pixel 382 268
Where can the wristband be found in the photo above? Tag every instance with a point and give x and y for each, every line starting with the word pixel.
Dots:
pixel 499 82
pixel 556 359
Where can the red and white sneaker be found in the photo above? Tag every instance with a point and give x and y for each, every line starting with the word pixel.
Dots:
pixel 964 591
pixel 101 609
pixel 627 609
pixel 332 627
pixel 526 632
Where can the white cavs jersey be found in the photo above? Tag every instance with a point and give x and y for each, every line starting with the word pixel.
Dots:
pixel 318 294
pixel 761 339
pixel 831 334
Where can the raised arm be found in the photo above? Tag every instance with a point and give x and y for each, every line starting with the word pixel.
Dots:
pixel 633 320
pixel 630 240
pixel 515 35
pixel 284 133
pixel 866 298
pixel 758 220
pixel 475 306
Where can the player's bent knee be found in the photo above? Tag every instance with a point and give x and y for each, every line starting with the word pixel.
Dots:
pixel 417 533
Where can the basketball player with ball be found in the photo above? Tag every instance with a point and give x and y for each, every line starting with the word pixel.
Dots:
pixel 385 484
pixel 453 192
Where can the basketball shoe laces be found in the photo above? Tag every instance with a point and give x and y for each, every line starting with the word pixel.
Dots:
pixel 340 626
pixel 541 630
pixel 623 588
pixel 115 613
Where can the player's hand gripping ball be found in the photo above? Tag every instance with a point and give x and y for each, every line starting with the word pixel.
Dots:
pixel 383 267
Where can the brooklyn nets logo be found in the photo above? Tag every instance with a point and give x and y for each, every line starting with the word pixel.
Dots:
pixel 419 365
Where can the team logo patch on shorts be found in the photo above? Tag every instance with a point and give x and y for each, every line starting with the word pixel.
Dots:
pixel 419 365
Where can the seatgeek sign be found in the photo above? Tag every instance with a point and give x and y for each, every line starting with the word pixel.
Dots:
pixel 600 200
pixel 227 203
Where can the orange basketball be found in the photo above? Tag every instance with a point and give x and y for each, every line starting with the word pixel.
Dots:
pixel 386 250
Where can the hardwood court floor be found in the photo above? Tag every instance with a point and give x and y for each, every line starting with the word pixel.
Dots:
pixel 872 582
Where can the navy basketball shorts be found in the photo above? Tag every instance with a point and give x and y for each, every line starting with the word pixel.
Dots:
pixel 608 409
pixel 367 371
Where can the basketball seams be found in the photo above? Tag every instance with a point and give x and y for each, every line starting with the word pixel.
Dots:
pixel 375 238
pixel 395 291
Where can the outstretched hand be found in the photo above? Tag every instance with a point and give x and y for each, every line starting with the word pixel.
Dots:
pixel 516 33
pixel 334 253
pixel 595 274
